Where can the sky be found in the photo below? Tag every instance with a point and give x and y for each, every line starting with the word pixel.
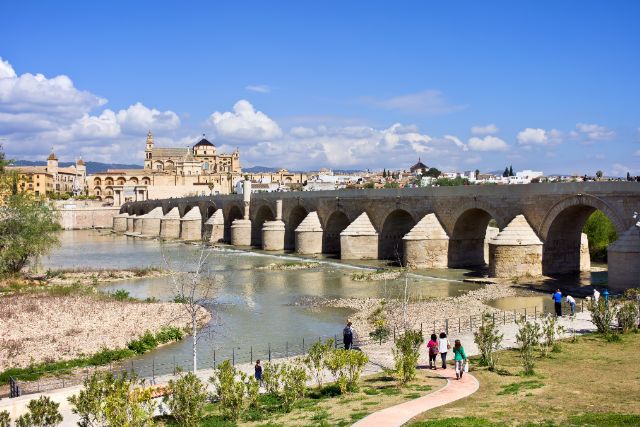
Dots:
pixel 465 85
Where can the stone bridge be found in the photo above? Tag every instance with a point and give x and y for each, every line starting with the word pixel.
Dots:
pixel 539 225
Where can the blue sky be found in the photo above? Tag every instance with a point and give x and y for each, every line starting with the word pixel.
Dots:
pixel 543 85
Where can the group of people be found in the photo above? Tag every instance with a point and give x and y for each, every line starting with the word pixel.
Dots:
pixel 557 302
pixel 440 345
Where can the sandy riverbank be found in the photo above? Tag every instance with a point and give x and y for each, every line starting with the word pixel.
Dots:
pixel 91 277
pixel 39 327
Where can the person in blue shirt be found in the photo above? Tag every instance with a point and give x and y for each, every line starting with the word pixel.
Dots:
pixel 557 299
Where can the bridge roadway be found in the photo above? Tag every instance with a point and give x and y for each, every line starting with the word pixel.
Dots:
pixel 436 227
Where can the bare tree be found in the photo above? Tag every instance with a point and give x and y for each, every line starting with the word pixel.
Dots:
pixel 194 287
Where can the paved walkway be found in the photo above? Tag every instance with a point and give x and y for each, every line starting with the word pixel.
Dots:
pixel 400 414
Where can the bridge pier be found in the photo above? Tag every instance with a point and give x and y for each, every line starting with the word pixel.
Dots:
pixel 359 240
pixel 273 231
pixel 191 225
pixel 151 222
pixel 426 245
pixel 241 232
pixel 308 235
pixel 623 258
pixel 214 227
pixel 130 219
pixel 170 225
pixel 585 256
pixel 120 222
pixel 516 251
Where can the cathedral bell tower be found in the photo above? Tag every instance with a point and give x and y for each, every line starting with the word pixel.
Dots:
pixel 148 152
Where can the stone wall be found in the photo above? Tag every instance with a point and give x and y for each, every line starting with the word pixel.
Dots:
pixel 73 217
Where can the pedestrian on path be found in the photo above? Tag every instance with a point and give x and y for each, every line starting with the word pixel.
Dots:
pixel 557 299
pixel 258 372
pixel 443 348
pixel 347 336
pixel 460 358
pixel 596 296
pixel 432 346
pixel 572 304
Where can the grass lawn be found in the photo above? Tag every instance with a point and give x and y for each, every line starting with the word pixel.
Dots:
pixel 327 408
pixel 590 382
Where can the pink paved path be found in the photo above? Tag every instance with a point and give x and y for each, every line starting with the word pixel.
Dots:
pixel 402 413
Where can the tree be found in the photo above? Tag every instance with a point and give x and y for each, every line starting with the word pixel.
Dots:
pixel 505 174
pixel 406 354
pixel 488 339
pixel 316 359
pixel 384 173
pixel 193 287
pixel 29 227
pixel 186 399
pixel 433 172
pixel 378 320
pixel 528 339
pixel 106 400
pixel 600 233
pixel 392 184
pixel 477 173
pixel 599 174
pixel 511 171
pixel 43 412
pixel 629 177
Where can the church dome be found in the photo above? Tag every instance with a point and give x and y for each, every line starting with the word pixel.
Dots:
pixel 204 142
pixel 80 162
pixel 418 167
pixel 52 156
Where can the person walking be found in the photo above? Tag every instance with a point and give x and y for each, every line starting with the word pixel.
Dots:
pixel 258 371
pixel 557 299
pixel 572 304
pixel 443 348
pixel 432 347
pixel 347 336
pixel 596 296
pixel 460 358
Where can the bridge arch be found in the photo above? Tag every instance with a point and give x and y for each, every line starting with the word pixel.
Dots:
pixel 468 238
pixel 293 220
pixel 263 214
pixel 561 231
pixel 336 222
pixel 395 225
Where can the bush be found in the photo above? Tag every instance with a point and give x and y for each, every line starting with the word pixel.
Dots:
pixel 602 314
pixel 627 316
pixel 186 399
pixel 346 366
pixel 107 400
pixel 488 339
pixel 550 331
pixel 5 419
pixel 294 384
pixel 316 358
pixel 231 391
pixel 121 295
pixel 378 320
pixel 271 378
pixel 143 344
pixel 42 412
pixel 406 354
pixel 168 334
pixel 528 339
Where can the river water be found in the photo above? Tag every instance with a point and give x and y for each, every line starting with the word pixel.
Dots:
pixel 254 308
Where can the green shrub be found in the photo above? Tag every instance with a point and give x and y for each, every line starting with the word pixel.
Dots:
pixel 231 389
pixel 346 366
pixel 143 344
pixel 5 419
pixel 294 384
pixel 551 330
pixel 186 399
pixel 271 378
pixel 488 339
pixel 528 339
pixel 168 334
pixel 627 316
pixel 316 358
pixel 406 354
pixel 42 412
pixel 121 295
pixel 378 320
pixel 603 313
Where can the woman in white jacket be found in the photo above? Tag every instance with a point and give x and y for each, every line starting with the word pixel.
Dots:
pixel 443 348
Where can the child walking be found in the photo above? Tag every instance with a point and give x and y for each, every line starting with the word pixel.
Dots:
pixel 460 358
pixel 432 346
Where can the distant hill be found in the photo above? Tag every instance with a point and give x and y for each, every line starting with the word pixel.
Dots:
pixel 92 167
pixel 260 169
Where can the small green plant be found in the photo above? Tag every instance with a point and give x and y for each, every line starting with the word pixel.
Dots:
pixel 603 313
pixel 5 419
pixel 627 316
pixel 528 339
pixel 143 344
pixel 121 295
pixel 294 380
pixel 551 330
pixel 516 388
pixel 186 399
pixel 316 358
pixel 346 366
pixel 235 390
pixel 488 339
pixel 378 320
pixel 42 412
pixel 271 378
pixel 406 354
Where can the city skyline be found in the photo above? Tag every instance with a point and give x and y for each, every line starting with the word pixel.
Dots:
pixel 542 86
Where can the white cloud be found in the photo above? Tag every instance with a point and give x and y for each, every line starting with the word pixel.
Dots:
pixel 589 133
pixel 429 102
pixel 620 170
pixel 489 129
pixel 488 143
pixel 138 118
pixel 457 142
pixel 533 136
pixel 244 123
pixel 302 132
pixel 258 88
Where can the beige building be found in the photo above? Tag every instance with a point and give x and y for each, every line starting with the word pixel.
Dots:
pixel 52 179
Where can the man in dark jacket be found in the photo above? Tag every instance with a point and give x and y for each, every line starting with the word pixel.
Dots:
pixel 347 336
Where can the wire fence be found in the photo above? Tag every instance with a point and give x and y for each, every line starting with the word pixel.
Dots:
pixel 158 371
